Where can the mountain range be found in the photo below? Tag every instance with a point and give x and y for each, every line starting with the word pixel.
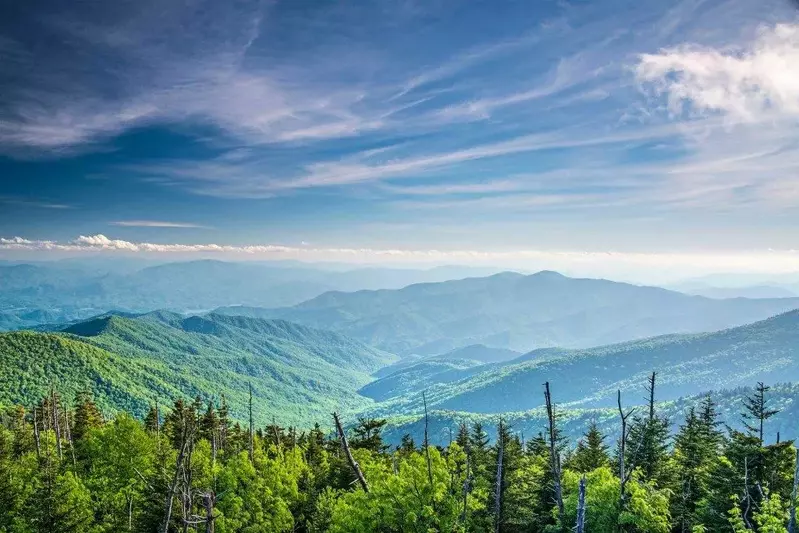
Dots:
pixel 33 294
pixel 517 312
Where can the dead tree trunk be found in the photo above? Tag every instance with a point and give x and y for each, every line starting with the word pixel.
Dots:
pixel 554 455
pixel 251 428
pixel 69 437
pixel 580 527
pixel 747 497
pixel 624 473
pixel 36 433
pixel 353 464
pixel 208 502
pixel 56 424
pixel 175 480
pixel 466 488
pixel 792 521
pixel 427 446
pixel 498 487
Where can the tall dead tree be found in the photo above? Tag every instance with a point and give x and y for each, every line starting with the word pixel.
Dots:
pixel 252 437
pixel 69 436
pixel 36 433
pixel 56 424
pixel 187 434
pixel 350 459
pixel 625 471
pixel 498 484
pixel 651 390
pixel 580 526
pixel 554 454
pixel 466 488
pixel 794 494
pixel 427 446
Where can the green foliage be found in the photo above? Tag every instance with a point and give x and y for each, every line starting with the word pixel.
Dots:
pixel 297 373
pixel 123 472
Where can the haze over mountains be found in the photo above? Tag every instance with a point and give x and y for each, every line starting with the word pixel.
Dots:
pixel 40 293
pixel 518 312
pixel 476 346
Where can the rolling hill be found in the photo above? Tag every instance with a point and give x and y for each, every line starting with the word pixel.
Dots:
pixel 297 373
pixel 687 364
pixel 517 312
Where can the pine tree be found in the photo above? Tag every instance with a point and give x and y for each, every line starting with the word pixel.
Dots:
pixel 756 411
pixel 591 452
pixel 368 435
pixel 87 416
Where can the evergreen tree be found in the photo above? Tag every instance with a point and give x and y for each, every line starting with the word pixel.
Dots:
pixel 368 435
pixel 87 416
pixel 591 452
pixel 756 411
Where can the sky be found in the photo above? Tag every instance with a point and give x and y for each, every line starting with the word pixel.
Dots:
pixel 613 134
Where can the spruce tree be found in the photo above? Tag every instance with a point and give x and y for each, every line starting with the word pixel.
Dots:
pixel 591 452
pixel 756 412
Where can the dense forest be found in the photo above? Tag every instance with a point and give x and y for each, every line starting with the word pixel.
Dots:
pixel 64 468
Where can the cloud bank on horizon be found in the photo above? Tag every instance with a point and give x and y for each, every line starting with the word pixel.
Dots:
pixel 656 128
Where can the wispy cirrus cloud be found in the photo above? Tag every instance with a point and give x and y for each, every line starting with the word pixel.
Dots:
pixel 156 224
pixel 34 203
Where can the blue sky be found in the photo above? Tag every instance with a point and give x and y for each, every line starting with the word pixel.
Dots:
pixel 368 130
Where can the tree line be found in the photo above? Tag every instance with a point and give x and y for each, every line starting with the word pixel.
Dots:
pixel 65 468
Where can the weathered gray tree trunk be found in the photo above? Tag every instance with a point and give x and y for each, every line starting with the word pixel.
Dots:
pixel 56 423
pixel 580 527
pixel 498 488
pixel 36 433
pixel 466 488
pixel 624 472
pixel 554 455
pixel 251 450
pixel 353 463
pixel 175 480
pixel 427 445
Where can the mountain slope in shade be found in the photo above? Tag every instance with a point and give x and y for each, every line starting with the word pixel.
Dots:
pixel 518 312
pixel 298 373
pixel 688 364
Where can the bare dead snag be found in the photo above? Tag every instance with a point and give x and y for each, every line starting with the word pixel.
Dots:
pixel 251 451
pixel 175 479
pixel 56 424
pixel 36 433
pixel 498 484
pixel 466 488
pixel 69 436
pixel 580 526
pixel 624 473
pixel 353 463
pixel 427 445
pixel 554 455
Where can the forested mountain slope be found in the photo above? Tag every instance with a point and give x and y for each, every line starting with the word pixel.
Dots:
pixel 518 312
pixel 573 422
pixel 688 364
pixel 297 373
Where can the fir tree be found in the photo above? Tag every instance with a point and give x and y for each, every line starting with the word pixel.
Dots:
pixel 591 452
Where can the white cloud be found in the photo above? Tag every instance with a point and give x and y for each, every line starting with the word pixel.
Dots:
pixel 751 82
pixel 595 263
pixel 154 224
